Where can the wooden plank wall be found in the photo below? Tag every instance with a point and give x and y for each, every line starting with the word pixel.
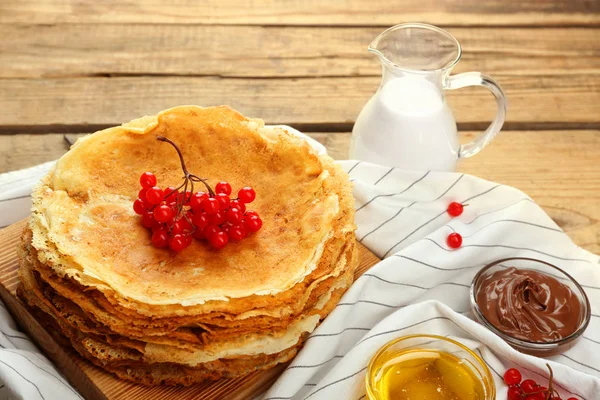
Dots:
pixel 305 12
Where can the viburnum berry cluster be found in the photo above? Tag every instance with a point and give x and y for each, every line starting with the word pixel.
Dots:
pixel 176 215
pixel 529 389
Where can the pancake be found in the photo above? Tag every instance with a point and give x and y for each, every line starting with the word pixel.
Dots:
pixel 241 308
pixel 163 373
pixel 150 315
pixel 103 312
pixel 135 361
pixel 87 199
pixel 182 336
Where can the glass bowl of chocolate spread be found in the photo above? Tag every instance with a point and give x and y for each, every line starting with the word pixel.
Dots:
pixel 534 306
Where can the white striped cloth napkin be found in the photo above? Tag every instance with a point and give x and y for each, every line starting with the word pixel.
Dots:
pixel 420 287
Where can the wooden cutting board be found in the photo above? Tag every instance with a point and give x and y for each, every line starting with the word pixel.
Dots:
pixel 96 384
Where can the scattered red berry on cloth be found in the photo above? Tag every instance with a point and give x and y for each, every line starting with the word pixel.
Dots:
pixel 454 240
pixel 175 215
pixel 455 209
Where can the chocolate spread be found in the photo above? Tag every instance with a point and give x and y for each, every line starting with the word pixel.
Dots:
pixel 529 305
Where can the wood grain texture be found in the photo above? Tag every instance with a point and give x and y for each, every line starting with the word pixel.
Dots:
pixel 559 169
pixel 535 101
pixel 76 50
pixel 306 12
pixel 96 384
pixel 22 151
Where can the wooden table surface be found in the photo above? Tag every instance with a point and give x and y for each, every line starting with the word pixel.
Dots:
pixel 73 67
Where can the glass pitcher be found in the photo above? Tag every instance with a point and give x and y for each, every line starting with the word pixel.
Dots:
pixel 407 123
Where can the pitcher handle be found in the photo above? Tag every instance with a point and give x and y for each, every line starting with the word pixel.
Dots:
pixel 478 79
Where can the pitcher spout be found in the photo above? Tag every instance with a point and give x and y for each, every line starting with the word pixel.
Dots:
pixel 417 48
pixel 375 49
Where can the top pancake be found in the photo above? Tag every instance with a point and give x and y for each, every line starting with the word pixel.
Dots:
pixel 84 226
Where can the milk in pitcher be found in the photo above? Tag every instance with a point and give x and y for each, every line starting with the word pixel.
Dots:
pixel 406 115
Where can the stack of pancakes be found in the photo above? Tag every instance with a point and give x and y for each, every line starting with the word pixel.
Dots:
pixel 149 315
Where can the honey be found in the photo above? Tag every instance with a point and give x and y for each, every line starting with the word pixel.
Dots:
pixel 425 374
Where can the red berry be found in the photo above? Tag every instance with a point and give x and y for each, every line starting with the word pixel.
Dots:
pixel 147 220
pixel 198 234
pixel 253 224
pixel 246 194
pixel 160 238
pixel 147 180
pixel 455 209
pixel 197 199
pixel 512 376
pixel 233 216
pixel 223 200
pixel 177 242
pixel 139 207
pixel 237 232
pixel 454 240
pixel 238 204
pixel 157 225
pixel 251 213
pixel 210 205
pixel 218 218
pixel 223 187
pixel 572 398
pixel 142 195
pixel 219 240
pixel 536 396
pixel 187 240
pixel 211 230
pixel 514 393
pixel 163 213
pixel 181 226
pixel 154 195
pixel 171 193
pixel 200 221
pixel 226 227
pixel 528 386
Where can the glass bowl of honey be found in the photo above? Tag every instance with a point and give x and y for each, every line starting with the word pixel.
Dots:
pixel 428 367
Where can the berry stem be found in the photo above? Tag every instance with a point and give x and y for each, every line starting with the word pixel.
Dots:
pixel 167 194
pixel 174 190
pixel 551 390
pixel 187 176
pixel 164 139
pixel 195 178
